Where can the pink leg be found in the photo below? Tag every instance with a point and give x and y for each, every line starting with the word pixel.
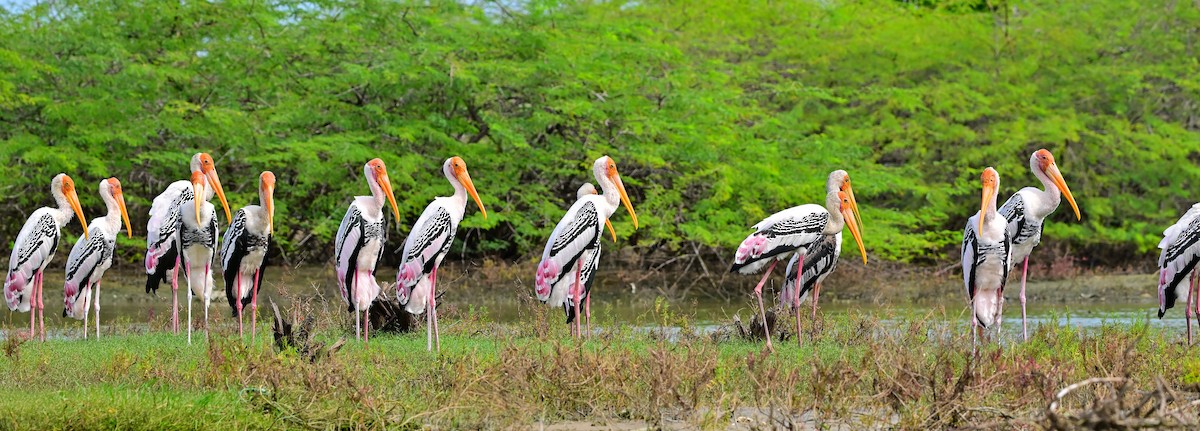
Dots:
pixel 437 337
pixel 175 297
pixel 367 326
pixel 1187 313
pixel 1024 321
pixel 429 324
pixel 578 296
pixel 1194 285
pixel 207 267
pixel 237 289
pixel 96 306
pixel 357 324
pixel 762 309
pixel 254 306
pixel 796 298
pixel 33 307
pixel 41 304
pixel 974 330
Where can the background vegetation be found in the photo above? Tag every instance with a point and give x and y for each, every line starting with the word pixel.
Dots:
pixel 718 113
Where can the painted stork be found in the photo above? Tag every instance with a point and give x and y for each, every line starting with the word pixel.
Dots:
pixel 359 244
pixel 821 258
pixel 93 255
pixel 198 235
pixel 162 239
pixel 428 243
pixel 796 229
pixel 986 258
pixel 575 241
pixel 587 275
pixel 1178 259
pixel 244 251
pixel 1027 209
pixel 33 250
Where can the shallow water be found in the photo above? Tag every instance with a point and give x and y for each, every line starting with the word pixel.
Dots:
pixel 125 302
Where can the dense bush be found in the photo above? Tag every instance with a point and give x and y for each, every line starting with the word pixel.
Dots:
pixel 717 113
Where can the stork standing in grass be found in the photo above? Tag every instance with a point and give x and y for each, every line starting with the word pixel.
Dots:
pixel 198 235
pixel 162 238
pixel 1026 210
pixel 428 243
pixel 587 276
pixel 359 244
pixel 33 250
pixel 986 256
pixel 796 229
pixel 1180 253
pixel 244 252
pixel 93 255
pixel 575 240
pixel 820 258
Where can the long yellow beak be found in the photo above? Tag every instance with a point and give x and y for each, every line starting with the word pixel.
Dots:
pixel 611 231
pixel 1059 182
pixel 124 213
pixel 854 206
pixel 465 179
pixel 385 184
pixel 73 200
pixel 198 190
pixel 852 223
pixel 270 193
pixel 616 179
pixel 215 181
pixel 989 195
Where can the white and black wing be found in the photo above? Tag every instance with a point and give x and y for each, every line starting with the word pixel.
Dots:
pixel 429 241
pixel 347 244
pixel 162 233
pixel 230 255
pixel 819 260
pixel 779 234
pixel 1180 252
pixel 88 254
pixel 1021 227
pixel 579 230
pixel 970 249
pixel 35 244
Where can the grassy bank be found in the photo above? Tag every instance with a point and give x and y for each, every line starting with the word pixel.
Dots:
pixel 861 370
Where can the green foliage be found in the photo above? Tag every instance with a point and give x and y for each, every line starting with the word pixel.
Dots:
pixel 718 113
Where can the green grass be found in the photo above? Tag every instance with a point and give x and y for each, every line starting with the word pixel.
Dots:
pixel 914 370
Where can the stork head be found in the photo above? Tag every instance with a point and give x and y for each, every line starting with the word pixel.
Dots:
pixel 114 189
pixel 377 174
pixel 456 170
pixel 63 185
pixel 1043 161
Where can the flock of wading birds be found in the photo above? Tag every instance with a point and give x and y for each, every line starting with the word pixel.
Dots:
pixel 182 234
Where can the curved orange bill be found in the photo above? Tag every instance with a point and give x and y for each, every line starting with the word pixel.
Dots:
pixel 616 179
pixel 124 213
pixel 852 223
pixel 989 196
pixel 1059 182
pixel 465 178
pixel 73 200
pixel 215 181
pixel 854 206
pixel 612 231
pixel 270 204
pixel 198 191
pixel 385 184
